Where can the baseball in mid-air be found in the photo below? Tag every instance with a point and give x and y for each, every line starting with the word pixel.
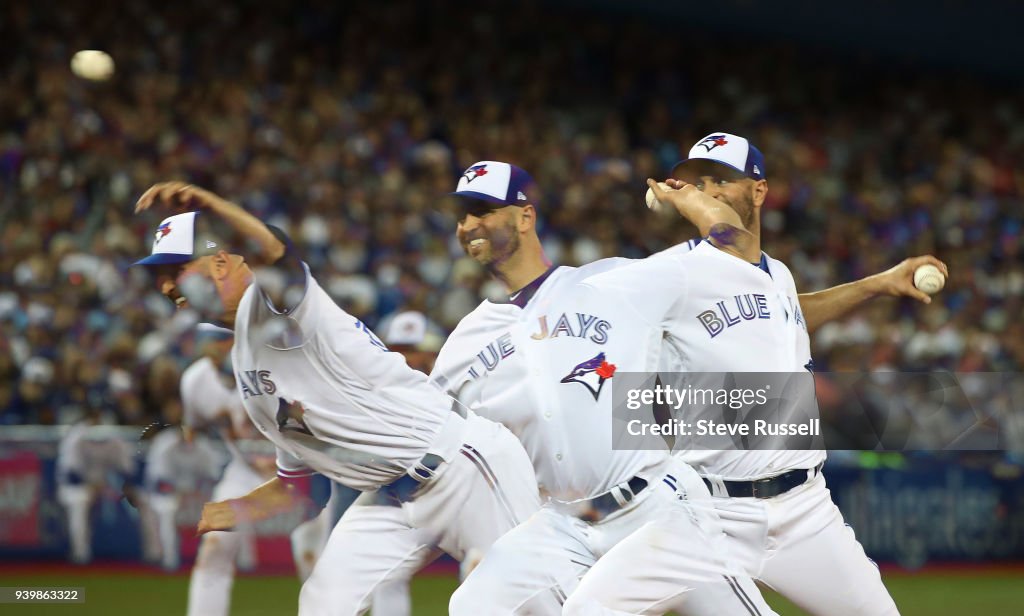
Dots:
pixel 652 202
pixel 92 64
pixel 929 279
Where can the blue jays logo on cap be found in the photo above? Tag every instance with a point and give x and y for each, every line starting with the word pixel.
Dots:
pixel 713 141
pixel 162 231
pixel 475 172
pixel 591 374
pixel 174 241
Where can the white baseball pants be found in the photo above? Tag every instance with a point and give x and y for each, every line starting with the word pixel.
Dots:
pixel 213 574
pixel 664 550
pixel 485 490
pixel 798 544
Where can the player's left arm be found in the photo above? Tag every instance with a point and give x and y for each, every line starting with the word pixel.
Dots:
pixel 824 306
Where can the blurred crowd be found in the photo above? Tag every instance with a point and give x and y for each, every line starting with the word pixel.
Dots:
pixel 346 124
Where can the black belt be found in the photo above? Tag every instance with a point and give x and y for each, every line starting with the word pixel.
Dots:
pixel 402 489
pixel 767 488
pixel 618 497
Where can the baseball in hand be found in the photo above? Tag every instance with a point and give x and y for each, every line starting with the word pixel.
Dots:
pixel 929 279
pixel 652 202
pixel 92 64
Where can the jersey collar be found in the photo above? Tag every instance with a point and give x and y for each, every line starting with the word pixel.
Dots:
pixel 523 296
pixel 762 264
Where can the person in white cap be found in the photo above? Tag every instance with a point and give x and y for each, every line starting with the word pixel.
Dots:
pixel 88 455
pixel 734 309
pixel 539 364
pixel 413 335
pixel 320 384
pixel 520 363
pixel 176 466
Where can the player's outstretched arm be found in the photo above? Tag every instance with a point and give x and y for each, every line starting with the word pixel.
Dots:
pixel 824 306
pixel 179 197
pixel 713 218
pixel 268 500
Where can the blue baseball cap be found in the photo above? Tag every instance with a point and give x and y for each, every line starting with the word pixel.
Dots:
pixel 730 150
pixel 495 182
pixel 176 241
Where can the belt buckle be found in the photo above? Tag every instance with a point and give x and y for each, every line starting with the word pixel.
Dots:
pixel 764 488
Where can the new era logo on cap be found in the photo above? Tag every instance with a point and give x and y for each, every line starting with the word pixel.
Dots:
pixel 729 150
pixel 175 241
pixel 495 182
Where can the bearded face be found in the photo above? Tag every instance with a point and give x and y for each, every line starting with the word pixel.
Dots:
pixel 489 235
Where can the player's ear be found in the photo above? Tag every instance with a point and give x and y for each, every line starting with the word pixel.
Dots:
pixel 759 192
pixel 527 218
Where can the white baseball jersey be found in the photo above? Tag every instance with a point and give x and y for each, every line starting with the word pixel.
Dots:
pixel 206 395
pixel 90 451
pixel 366 416
pixel 185 465
pixel 500 363
pixel 521 366
pixel 709 311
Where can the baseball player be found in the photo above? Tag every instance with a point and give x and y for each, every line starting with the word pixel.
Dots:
pixel 211 402
pixel 411 334
pixel 490 364
pixel 320 385
pixel 539 364
pixel 773 505
pixel 176 466
pixel 91 459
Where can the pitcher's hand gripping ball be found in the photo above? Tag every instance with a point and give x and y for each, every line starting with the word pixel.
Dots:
pixel 929 279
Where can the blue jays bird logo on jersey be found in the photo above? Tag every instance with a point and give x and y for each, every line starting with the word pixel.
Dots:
pixel 474 172
pixel 290 417
pixel 713 142
pixel 591 374
pixel 162 231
